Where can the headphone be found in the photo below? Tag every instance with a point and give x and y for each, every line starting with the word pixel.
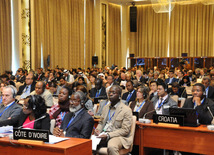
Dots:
pixel 33 101
pixel 14 90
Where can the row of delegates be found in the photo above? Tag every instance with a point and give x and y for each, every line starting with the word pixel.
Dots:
pixel 76 123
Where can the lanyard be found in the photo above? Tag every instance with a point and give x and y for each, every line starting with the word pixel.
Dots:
pixel 129 96
pixel 98 94
pixel 140 106
pixel 160 104
pixel 106 102
pixel 62 116
pixel 6 109
pixel 70 122
pixel 109 115
pixel 201 103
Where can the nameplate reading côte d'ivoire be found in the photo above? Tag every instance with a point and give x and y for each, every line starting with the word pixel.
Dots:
pixel 31 134
pixel 168 119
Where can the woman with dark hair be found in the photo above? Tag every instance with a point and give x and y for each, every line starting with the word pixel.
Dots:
pixel 59 110
pixel 142 105
pixel 81 81
pixel 34 108
pixel 185 81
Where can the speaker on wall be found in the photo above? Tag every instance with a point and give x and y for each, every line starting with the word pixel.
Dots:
pixel 131 55
pixel 133 19
pixel 94 60
pixel 184 54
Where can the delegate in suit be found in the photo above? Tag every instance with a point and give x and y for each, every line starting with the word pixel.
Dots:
pixel 77 123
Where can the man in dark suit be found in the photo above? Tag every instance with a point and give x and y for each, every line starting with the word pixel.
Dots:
pixel 39 75
pixel 201 104
pixel 21 77
pixel 28 87
pixel 156 75
pixel 77 123
pixel 131 94
pixel 208 89
pixel 171 78
pixel 99 91
pixel 177 90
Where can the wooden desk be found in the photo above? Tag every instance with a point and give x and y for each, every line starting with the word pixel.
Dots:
pixel 72 146
pixel 171 137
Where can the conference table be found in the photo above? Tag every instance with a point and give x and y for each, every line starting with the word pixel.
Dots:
pixel 173 137
pixel 71 146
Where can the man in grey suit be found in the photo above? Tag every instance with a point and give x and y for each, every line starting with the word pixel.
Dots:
pixel 9 110
pixel 163 102
pixel 115 123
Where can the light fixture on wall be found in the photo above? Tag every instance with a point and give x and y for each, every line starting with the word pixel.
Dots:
pixel 163 6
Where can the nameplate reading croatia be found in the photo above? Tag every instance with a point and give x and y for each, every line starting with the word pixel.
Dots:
pixel 31 134
pixel 171 119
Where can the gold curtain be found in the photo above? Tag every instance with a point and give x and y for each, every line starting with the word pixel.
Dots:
pixel 5 36
pixel 152 32
pixel 114 35
pixel 89 39
pixel 191 30
pixel 59 29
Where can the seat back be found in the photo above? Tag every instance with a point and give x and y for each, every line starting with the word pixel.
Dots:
pixel 175 98
pixel 132 132
pixel 53 122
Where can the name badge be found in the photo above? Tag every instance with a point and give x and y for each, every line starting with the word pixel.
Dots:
pixel 168 119
pixel 41 135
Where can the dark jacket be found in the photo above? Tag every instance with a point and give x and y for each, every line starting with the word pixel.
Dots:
pixel 204 115
pixel 102 95
pixel 40 124
pixel 80 127
pixel 211 93
pixel 181 92
pixel 21 88
pixel 133 97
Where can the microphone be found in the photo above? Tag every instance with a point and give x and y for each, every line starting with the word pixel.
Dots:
pixel 33 121
pixel 144 119
pixel 212 122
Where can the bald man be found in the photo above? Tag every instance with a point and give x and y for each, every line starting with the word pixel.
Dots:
pixel 44 93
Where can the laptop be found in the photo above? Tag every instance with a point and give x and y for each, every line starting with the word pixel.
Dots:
pixel 190 115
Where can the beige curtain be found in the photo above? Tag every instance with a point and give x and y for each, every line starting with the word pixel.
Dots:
pixel 152 32
pixel 114 35
pixel 59 30
pixel 191 30
pixel 5 36
pixel 89 39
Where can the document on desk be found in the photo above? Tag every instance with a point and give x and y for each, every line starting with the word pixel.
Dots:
pixel 95 142
pixel 54 139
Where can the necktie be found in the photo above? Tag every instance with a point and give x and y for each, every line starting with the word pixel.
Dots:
pixel 160 103
pixel 129 96
pixel 26 89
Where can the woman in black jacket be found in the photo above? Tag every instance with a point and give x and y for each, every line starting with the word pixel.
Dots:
pixel 34 114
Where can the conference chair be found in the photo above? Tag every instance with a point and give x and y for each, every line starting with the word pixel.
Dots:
pixel 182 102
pixel 103 150
pixel 189 90
pixel 175 98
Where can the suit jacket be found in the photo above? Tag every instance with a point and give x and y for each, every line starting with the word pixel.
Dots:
pixel 12 112
pixel 43 124
pixel 204 115
pixel 102 95
pixel 168 103
pixel 142 79
pixel 39 78
pixel 173 80
pixel 122 121
pixel 21 79
pixel 159 80
pixel 47 96
pixel 133 97
pixel 181 92
pixel 211 93
pixel 21 88
pixel 80 127
pixel 147 107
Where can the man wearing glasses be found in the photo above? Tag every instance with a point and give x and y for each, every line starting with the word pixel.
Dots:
pixel 77 123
